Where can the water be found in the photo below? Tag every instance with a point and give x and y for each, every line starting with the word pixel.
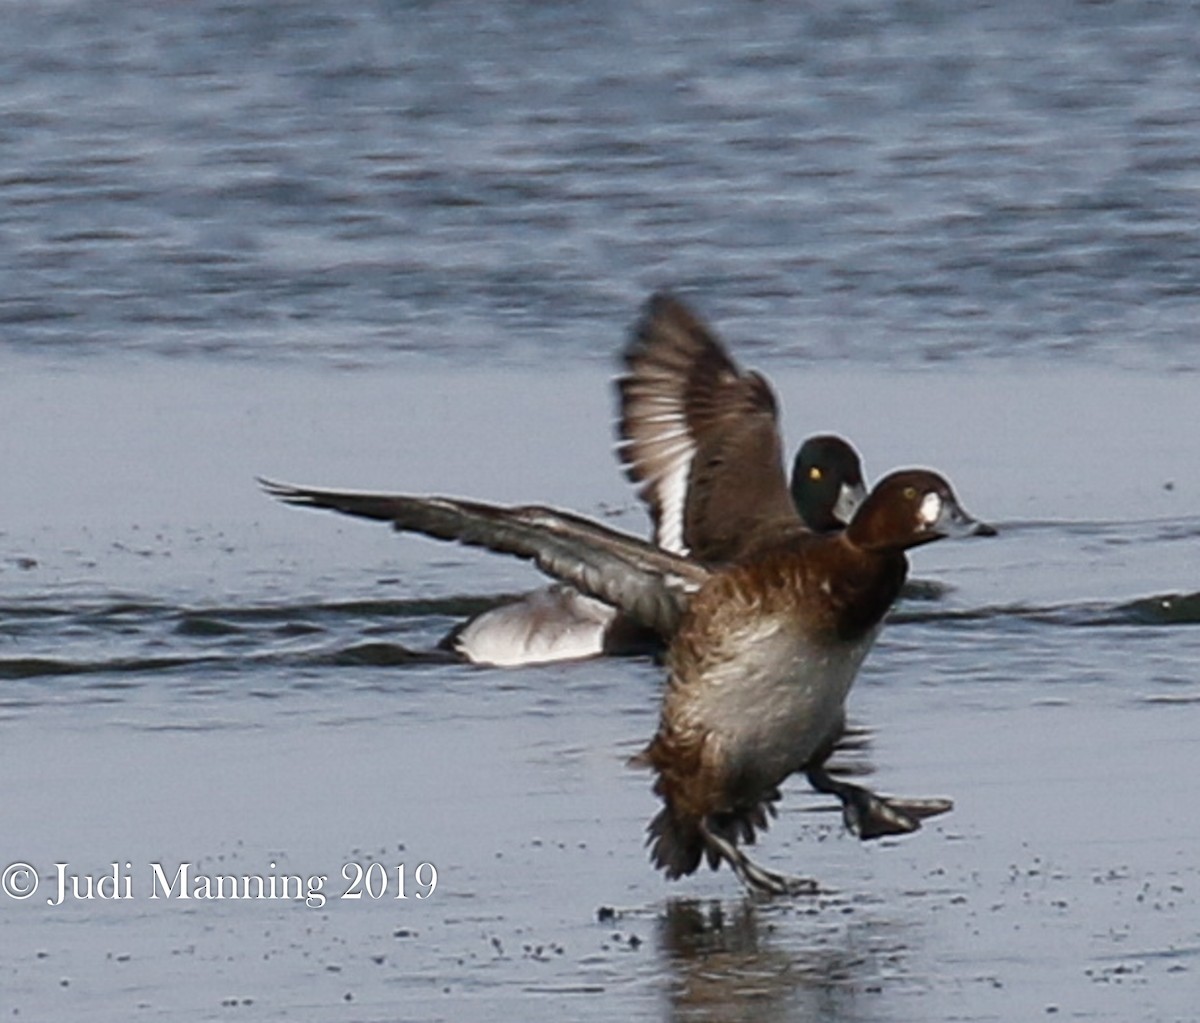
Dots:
pixel 397 246
pixel 369 183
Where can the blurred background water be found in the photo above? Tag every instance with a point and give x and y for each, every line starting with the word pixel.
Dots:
pixel 892 182
pixel 398 245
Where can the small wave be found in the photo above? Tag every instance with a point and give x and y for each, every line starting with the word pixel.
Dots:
pixel 1171 699
pixel 205 625
pixel 1167 528
pixel 926 590
pixel 382 655
pixel 17 668
pixel 1167 609
pixel 126 608
pixel 453 606
pixel 351 655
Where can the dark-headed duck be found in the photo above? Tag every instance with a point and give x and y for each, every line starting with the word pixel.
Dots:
pixel 763 649
pixel 558 623
pixel 701 436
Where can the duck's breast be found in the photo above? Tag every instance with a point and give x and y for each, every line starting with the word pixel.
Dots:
pixel 777 696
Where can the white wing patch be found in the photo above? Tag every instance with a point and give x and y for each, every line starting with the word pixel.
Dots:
pixel 665 463
pixel 671 492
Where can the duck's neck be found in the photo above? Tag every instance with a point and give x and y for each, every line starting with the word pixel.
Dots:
pixel 864 586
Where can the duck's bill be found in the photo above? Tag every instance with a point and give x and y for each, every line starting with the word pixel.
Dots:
pixel 953 522
pixel 850 496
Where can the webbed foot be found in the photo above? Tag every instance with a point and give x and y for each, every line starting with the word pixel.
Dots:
pixel 868 815
pixel 754 877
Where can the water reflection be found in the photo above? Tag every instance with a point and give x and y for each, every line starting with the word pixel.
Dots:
pixel 760 962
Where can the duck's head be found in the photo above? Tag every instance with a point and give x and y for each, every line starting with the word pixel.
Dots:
pixel 827 483
pixel 909 508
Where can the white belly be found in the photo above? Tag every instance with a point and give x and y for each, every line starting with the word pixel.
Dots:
pixel 553 624
pixel 772 706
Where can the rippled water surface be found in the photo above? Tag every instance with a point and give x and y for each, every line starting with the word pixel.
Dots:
pixel 367 182
pixel 397 246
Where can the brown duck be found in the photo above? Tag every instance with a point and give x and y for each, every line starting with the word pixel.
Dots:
pixel 763 649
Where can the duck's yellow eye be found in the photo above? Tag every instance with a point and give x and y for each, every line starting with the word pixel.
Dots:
pixel 815 474
pixel 910 493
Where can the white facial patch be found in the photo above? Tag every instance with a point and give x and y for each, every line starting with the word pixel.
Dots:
pixel 931 509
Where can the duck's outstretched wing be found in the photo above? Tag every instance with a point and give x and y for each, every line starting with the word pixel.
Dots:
pixel 700 435
pixel 650 585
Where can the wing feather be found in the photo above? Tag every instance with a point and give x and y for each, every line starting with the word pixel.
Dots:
pixel 650 585
pixel 700 435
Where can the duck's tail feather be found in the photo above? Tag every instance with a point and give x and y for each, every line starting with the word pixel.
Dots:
pixel 676 844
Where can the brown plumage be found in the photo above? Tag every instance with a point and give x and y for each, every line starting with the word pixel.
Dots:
pixel 763 651
pixel 767 621
pixel 708 435
pixel 701 437
pixel 759 672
